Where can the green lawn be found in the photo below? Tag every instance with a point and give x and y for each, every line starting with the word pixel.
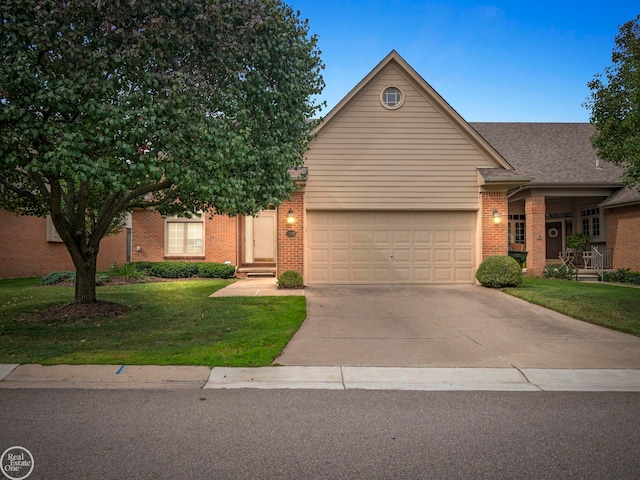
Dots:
pixel 616 307
pixel 172 323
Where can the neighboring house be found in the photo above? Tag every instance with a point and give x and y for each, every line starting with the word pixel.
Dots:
pixel 398 188
pixel 31 247
pixel 572 191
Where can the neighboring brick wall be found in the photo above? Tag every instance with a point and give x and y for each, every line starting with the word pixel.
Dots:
pixel 535 210
pixel 291 249
pixel 25 252
pixel 148 226
pixel 623 236
pixel 494 236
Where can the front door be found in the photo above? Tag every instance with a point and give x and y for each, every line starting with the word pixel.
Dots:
pixel 260 244
pixel 554 239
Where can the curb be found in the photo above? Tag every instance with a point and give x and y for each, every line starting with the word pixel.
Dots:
pixel 14 376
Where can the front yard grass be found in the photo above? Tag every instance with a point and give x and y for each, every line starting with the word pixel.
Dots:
pixel 612 306
pixel 171 323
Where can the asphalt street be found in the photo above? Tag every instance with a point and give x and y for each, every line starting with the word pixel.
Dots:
pixel 320 434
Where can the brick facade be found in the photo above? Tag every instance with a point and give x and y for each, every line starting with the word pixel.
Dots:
pixel 27 253
pixel 220 239
pixel 494 236
pixel 623 227
pixel 535 210
pixel 291 249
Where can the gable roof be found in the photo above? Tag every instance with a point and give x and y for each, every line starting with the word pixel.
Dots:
pixel 555 154
pixel 434 97
pixel 623 197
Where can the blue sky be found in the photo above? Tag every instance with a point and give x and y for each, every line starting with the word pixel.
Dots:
pixel 512 60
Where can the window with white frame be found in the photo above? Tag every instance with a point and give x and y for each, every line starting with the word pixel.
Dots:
pixel 184 236
pixel 516 229
pixel 392 98
pixel 591 222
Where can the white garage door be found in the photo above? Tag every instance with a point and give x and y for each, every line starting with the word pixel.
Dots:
pixel 390 247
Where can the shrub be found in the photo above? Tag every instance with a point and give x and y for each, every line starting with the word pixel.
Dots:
pixel 577 241
pixel 54 278
pixel 174 269
pixel 290 279
pixel 622 275
pixel 128 270
pixel 184 269
pixel 216 270
pixel 561 272
pixel 499 271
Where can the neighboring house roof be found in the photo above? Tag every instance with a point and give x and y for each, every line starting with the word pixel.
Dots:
pixel 558 154
pixel 625 196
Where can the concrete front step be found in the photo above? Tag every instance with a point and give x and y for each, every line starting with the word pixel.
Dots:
pixel 244 272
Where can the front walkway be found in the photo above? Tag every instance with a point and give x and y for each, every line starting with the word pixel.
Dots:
pixel 257 287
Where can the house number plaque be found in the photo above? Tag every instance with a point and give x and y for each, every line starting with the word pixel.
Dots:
pixel 291 233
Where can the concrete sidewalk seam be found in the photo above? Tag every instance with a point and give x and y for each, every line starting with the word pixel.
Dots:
pixel 319 377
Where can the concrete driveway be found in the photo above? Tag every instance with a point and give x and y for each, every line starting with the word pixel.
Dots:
pixel 448 326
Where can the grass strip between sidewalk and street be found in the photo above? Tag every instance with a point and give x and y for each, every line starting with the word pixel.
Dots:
pixel 613 306
pixel 169 323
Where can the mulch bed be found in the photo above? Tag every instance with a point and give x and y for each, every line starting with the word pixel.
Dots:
pixel 75 313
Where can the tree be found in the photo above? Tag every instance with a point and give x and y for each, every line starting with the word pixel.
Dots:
pixel 615 105
pixel 180 105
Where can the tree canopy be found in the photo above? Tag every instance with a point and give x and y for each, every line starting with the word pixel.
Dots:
pixel 615 105
pixel 180 105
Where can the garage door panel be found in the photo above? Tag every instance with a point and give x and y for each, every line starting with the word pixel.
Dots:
pixel 422 255
pixel 443 237
pixel 387 247
pixel 463 256
pixel 443 255
pixel 340 255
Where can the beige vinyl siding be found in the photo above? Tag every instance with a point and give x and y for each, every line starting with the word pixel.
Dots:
pixel 414 157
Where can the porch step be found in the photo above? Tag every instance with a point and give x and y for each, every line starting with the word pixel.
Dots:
pixel 588 275
pixel 243 272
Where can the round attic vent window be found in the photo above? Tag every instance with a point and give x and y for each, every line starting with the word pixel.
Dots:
pixel 392 98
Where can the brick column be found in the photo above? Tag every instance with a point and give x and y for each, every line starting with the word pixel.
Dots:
pixel 495 240
pixel 291 248
pixel 535 209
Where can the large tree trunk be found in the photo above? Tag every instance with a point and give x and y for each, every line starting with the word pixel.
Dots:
pixel 86 280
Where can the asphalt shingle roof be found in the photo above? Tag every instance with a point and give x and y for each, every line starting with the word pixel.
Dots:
pixel 622 197
pixel 552 153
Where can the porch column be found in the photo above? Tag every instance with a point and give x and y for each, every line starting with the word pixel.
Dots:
pixel 291 235
pixel 495 239
pixel 535 209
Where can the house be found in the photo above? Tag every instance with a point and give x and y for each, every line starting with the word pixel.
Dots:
pixel 31 247
pixel 398 188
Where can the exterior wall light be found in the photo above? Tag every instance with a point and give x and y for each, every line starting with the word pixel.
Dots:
pixel 496 217
pixel 290 218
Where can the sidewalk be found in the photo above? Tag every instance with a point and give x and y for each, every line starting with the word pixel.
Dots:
pixel 557 336
pixel 333 378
